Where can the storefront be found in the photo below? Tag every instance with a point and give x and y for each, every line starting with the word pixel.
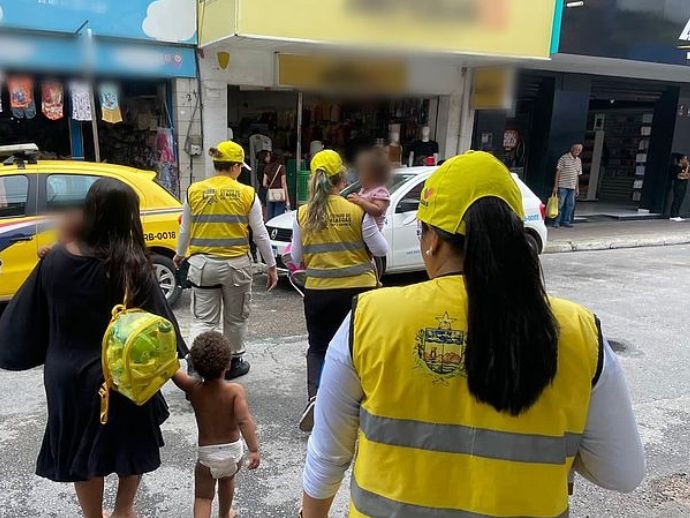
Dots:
pixel 620 92
pixel 100 89
pixel 289 78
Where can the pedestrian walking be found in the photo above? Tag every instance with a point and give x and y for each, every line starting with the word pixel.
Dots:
pixel 223 419
pixel 58 319
pixel 275 183
pixel 474 393
pixel 680 173
pixel 331 237
pixel 567 185
pixel 217 216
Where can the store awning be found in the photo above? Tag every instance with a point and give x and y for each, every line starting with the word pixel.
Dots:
pixel 502 28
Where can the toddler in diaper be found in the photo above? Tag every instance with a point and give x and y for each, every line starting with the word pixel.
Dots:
pixel 223 420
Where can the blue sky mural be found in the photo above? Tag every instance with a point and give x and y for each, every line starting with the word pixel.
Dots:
pixel 171 21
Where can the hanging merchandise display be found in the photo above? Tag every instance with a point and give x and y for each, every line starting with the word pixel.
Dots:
pixel 110 104
pixel 168 175
pixel 52 100
pixel 22 97
pixel 81 103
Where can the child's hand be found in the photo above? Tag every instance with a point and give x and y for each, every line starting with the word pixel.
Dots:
pixel 43 251
pixel 354 198
pixel 253 460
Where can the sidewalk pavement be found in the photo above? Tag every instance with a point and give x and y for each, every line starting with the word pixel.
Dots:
pixel 609 234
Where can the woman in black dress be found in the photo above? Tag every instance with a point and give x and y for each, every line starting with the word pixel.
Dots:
pixel 58 319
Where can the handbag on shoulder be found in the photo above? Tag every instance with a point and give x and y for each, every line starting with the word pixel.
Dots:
pixel 276 195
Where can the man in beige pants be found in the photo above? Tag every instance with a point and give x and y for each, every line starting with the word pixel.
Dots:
pixel 217 215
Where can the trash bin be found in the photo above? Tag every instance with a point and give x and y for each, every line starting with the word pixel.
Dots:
pixel 303 187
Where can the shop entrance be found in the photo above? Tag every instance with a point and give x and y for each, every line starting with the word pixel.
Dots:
pixel 268 120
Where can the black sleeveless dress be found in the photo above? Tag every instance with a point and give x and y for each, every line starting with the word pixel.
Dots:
pixel 58 319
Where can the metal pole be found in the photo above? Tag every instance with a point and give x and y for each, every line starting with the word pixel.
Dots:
pixel 298 152
pixel 92 94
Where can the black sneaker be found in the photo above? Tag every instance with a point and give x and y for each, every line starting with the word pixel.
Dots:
pixel 306 422
pixel 238 368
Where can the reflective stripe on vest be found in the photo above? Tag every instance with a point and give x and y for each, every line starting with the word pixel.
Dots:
pixel 333 247
pixel 219 243
pixel 219 218
pixel 371 504
pixel 421 428
pixel 478 442
pixel 339 273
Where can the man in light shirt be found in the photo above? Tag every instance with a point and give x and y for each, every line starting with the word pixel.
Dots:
pixel 567 185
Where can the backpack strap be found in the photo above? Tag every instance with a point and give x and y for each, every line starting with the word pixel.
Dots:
pixel 104 391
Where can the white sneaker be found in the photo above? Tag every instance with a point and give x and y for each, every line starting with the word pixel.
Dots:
pixel 676 219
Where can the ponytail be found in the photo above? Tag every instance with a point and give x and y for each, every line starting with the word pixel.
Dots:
pixel 320 188
pixel 512 340
pixel 512 334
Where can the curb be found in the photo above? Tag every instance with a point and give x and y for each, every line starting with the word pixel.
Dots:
pixel 588 245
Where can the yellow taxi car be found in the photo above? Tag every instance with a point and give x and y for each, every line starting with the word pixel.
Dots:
pixel 31 190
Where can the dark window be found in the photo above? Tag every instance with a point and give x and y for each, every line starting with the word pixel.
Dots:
pixel 410 202
pixel 68 190
pixel 14 195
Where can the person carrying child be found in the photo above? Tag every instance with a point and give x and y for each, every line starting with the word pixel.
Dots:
pixel 374 198
pixel 222 414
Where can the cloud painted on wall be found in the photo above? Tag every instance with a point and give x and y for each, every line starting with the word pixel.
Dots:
pixel 1 13
pixel 170 20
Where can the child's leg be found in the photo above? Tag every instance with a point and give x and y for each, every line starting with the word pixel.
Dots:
pixel 226 491
pixel 90 496
pixel 124 501
pixel 204 490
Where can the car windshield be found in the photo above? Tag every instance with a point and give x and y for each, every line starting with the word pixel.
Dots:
pixel 396 182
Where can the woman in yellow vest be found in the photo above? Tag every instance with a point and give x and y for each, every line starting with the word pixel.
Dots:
pixel 472 394
pixel 214 233
pixel 333 238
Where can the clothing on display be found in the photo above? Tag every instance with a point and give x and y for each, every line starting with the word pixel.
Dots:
pixel 81 101
pixel 52 100
pixel 22 101
pixel 110 104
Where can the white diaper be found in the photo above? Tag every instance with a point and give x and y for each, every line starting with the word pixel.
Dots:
pixel 224 460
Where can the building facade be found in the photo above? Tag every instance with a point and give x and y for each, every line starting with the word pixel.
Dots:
pixel 138 60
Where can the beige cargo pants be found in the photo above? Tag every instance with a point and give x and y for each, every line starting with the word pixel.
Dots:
pixel 222 287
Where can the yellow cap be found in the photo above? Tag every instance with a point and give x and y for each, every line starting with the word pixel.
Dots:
pixel 328 161
pixel 461 181
pixel 229 151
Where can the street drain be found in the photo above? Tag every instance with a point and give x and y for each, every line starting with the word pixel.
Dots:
pixel 675 487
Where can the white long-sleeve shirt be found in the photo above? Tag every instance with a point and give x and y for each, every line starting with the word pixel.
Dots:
pixel 256 223
pixel 610 453
pixel 376 243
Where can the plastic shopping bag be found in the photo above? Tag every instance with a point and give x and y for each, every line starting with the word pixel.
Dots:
pixel 552 207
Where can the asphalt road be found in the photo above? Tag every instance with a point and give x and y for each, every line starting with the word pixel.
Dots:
pixel 640 295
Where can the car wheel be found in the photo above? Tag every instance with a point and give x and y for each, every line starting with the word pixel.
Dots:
pixel 165 273
pixel 534 242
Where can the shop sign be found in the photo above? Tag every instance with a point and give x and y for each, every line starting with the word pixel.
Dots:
pixel 492 88
pixel 656 31
pixel 171 21
pixel 517 28
pixel 69 55
pixel 345 75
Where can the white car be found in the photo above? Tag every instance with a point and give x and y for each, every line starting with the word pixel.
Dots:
pixel 400 228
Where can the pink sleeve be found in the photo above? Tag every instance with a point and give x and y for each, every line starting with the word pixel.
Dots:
pixel 380 193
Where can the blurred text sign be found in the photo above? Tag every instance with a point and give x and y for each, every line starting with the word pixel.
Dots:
pixel 512 28
pixel 492 88
pixel 319 72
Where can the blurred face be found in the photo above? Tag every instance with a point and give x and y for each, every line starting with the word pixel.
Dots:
pixel 684 162
pixel 576 150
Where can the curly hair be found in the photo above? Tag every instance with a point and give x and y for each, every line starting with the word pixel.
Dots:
pixel 211 355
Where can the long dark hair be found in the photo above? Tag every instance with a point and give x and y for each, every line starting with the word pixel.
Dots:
pixel 112 232
pixel 512 334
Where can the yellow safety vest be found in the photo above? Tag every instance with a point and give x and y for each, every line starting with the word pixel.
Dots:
pixel 336 257
pixel 220 209
pixel 427 447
